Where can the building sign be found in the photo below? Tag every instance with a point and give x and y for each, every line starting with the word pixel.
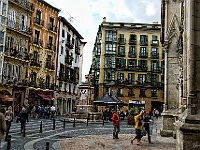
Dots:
pixel 136 102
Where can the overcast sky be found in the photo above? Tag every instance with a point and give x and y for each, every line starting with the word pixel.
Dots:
pixel 87 15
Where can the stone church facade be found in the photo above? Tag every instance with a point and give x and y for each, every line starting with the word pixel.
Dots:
pixel 180 21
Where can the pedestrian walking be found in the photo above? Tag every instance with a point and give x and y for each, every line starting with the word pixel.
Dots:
pixel 23 119
pixel 9 115
pixel 138 127
pixel 116 124
pixel 53 110
pixel 146 122
pixel 2 125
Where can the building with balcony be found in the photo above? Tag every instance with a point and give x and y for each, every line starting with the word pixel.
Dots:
pixel 69 60
pixel 128 61
pixel 16 50
pixel 42 53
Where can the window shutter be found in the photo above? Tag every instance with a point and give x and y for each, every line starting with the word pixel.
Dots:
pixel 139 62
pixel 124 62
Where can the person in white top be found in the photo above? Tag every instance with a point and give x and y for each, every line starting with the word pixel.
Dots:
pixel 52 109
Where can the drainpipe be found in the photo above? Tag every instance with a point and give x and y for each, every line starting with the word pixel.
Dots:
pixel 57 54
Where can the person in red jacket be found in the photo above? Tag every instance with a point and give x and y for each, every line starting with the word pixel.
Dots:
pixel 116 124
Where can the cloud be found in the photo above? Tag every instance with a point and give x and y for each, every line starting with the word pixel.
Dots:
pixel 88 15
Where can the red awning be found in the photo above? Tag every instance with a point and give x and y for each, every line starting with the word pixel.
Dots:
pixel 44 96
pixel 50 97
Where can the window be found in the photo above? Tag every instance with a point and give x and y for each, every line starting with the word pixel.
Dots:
pixel 155 65
pixel 131 78
pixel 38 17
pixel 120 91
pixel 35 56
pixel 1 37
pixel 133 37
pixel 4 6
pixel 121 50
pixel 21 47
pixel 132 63
pixel 142 93
pixel 69 88
pixel 98 50
pixel 131 92
pixel 47 82
pixel 50 42
pixel 141 78
pixel 51 23
pixel 36 37
pixel 108 90
pixel 142 63
pixel 109 75
pixel 143 40
pixel 109 62
pixel 61 50
pixel 121 39
pixel 132 51
pixel 22 24
pixel 110 48
pixel 33 77
pixel 12 18
pixel 154 79
pixel 153 92
pixel 143 51
pixel 121 62
pixel 120 76
pixel 111 35
pixel 63 33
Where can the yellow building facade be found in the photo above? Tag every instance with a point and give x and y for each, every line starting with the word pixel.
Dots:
pixel 42 53
pixel 128 62
pixel 15 65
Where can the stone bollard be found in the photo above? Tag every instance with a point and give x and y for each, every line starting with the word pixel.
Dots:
pixel 54 124
pixel 47 145
pixel 41 127
pixel 64 124
pixel 9 142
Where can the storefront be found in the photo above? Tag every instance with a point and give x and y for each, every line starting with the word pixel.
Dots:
pixel 136 103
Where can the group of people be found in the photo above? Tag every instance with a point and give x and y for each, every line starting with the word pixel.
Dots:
pixel 142 121
pixel 47 112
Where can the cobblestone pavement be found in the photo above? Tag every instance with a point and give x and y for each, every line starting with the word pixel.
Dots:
pixel 104 141
pixel 94 136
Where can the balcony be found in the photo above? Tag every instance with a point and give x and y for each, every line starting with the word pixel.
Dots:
pixel 52 28
pixel 77 50
pixel 68 60
pixel 38 42
pixel 50 46
pixel 25 4
pixel 154 43
pixel 154 55
pixel 156 69
pixel 35 63
pixel 143 55
pixel 141 68
pixel 61 76
pixel 143 43
pixel 132 55
pixel 50 65
pixel 120 82
pixel 38 21
pixel 18 27
pixel 121 41
pixel 121 54
pixel 132 42
pixel 69 45
pixel 132 67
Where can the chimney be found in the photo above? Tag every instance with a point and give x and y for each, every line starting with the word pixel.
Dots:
pixel 104 19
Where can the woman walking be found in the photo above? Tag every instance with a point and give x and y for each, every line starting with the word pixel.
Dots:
pixel 9 118
pixel 2 125
pixel 23 118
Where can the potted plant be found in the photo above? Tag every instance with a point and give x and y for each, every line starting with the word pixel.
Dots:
pixel 131 115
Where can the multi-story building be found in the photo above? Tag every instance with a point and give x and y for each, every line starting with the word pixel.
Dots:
pixel 18 33
pixel 42 51
pixel 128 62
pixel 68 66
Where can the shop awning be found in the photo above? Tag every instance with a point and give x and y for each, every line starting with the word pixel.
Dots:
pixel 7 97
pixel 44 96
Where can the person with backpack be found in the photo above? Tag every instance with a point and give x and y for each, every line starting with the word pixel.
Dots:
pixel 23 119
pixel 138 127
pixel 2 125
pixel 9 118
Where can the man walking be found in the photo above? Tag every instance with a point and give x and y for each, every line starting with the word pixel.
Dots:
pixel 2 125
pixel 146 121
pixel 116 124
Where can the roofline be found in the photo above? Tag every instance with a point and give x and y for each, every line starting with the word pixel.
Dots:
pixel 70 26
pixel 49 5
